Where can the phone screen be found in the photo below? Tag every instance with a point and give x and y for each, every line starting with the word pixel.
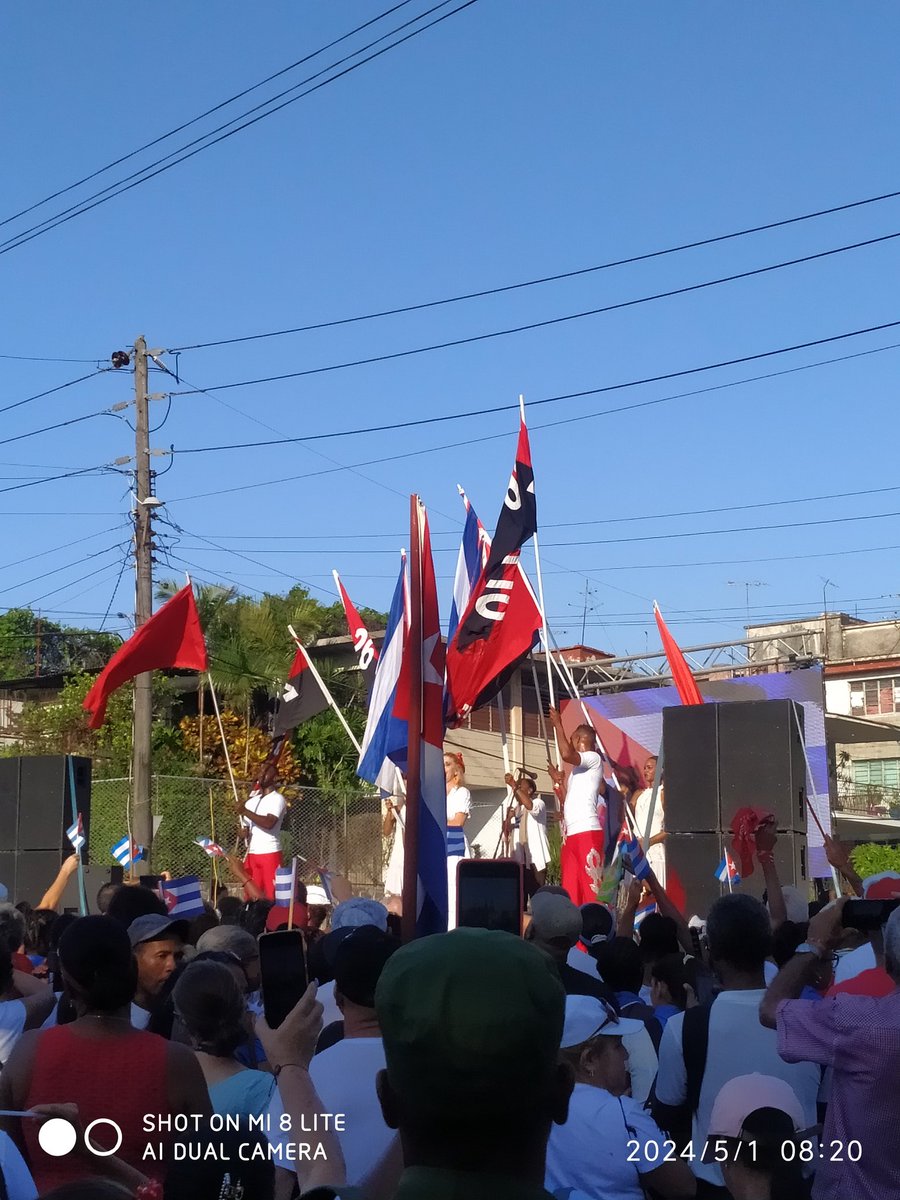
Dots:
pixel 489 894
pixel 867 914
pixel 282 965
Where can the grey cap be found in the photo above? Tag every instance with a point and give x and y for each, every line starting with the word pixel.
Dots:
pixel 359 910
pixel 230 938
pixel 153 927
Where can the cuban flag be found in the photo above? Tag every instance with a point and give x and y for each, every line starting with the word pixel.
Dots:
pixel 325 878
pixel 182 897
pixel 213 849
pixel 75 834
pixel 640 868
pixel 468 564
pixel 643 911
pixel 430 850
pixel 284 886
pixel 726 871
pixel 128 852
pixel 386 737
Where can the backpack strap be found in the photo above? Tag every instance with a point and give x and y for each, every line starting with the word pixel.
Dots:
pixel 694 1047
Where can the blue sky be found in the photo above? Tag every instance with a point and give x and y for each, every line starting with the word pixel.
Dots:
pixel 514 140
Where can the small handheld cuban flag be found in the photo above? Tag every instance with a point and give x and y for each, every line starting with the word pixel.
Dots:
pixel 182 897
pixel 640 868
pixel 726 871
pixel 644 911
pixel 127 852
pixel 284 886
pixel 213 849
pixel 75 834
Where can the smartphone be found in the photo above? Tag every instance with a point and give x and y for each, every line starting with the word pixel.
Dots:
pixel 490 894
pixel 150 881
pixel 282 966
pixel 867 915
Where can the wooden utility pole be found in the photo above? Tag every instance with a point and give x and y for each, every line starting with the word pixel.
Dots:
pixel 142 819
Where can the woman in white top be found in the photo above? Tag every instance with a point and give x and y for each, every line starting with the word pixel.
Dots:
pixel 654 846
pixel 459 804
pixel 608 1146
pixel 393 825
pixel 529 829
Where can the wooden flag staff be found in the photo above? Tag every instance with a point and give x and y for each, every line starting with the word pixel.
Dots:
pixel 325 692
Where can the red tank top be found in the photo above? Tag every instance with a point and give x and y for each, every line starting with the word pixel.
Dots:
pixel 120 1078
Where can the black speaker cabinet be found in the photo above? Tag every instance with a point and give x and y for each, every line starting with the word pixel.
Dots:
pixel 694 857
pixel 722 757
pixel 45 801
pixel 27 875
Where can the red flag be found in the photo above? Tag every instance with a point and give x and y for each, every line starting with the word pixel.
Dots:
pixel 500 623
pixel 681 672
pixel 171 638
pixel 362 641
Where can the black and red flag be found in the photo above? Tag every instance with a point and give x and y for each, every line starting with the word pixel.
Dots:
pixel 501 621
pixel 301 697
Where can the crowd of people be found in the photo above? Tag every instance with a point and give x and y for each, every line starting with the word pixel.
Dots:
pixel 751 1054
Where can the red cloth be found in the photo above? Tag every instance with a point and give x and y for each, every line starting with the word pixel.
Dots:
pixel 278 916
pixel 120 1078
pixel 744 825
pixel 261 868
pixel 580 864
pixel 684 681
pixel 21 962
pixel 171 638
pixel 874 982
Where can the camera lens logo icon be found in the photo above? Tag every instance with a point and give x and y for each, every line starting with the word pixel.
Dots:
pixel 57 1137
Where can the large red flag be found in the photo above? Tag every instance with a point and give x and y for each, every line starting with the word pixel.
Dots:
pixel 681 672
pixel 500 623
pixel 171 638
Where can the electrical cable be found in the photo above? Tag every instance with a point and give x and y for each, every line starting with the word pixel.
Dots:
pixel 106 469
pixel 51 391
pixel 104 574
pixel 125 561
pixel 612 387
pixel 194 120
pixel 511 287
pixel 101 198
pixel 65 546
pixel 55 571
pixel 20 437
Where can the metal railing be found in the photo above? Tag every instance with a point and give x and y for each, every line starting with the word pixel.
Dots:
pixel 338 830
pixel 868 800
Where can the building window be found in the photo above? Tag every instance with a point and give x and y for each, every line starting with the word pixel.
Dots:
pixel 874 697
pixel 877 772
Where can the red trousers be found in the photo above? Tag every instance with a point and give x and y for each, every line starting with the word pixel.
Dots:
pixel 581 865
pixel 261 868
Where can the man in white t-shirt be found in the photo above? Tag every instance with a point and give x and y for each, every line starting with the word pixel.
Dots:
pixel 581 857
pixel 530 845
pixel 261 818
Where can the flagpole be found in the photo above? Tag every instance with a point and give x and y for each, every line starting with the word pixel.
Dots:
pixel 504 746
pixel 215 700
pixel 325 692
pixel 543 609
pixel 409 914
pixel 537 691
pixel 293 892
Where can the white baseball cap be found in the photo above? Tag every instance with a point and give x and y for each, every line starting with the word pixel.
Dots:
pixel 587 1017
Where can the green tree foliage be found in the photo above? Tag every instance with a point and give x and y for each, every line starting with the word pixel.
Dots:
pixel 872 858
pixel 32 645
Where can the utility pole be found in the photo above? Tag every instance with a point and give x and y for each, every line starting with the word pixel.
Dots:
pixel 142 820
pixel 37 647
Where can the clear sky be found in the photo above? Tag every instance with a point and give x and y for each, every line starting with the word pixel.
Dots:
pixel 514 140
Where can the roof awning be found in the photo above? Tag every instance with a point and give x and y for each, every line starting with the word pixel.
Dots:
pixel 848 731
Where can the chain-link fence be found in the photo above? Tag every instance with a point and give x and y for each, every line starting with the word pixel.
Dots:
pixel 338 830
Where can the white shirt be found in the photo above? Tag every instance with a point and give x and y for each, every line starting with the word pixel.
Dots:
pixel 265 841
pixel 590 1152
pixel 854 962
pixel 459 800
pixel 738 1045
pixel 12 1022
pixel 642 1063
pixel 532 845
pixel 580 809
pixel 140 1017
pixel 344 1079
pixel 19 1184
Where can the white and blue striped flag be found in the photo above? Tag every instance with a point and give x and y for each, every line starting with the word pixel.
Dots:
pixel 468 565
pixel 128 852
pixel 75 834
pixel 285 886
pixel 726 870
pixel 386 739
pixel 182 897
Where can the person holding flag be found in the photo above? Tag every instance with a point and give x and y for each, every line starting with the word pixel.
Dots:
pixel 261 817
pixel 581 857
pixel 641 804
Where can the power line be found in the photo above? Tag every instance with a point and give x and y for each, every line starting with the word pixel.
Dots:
pixel 527 283
pixel 108 469
pixel 395 457
pixel 56 570
pixel 501 408
pixel 65 546
pixel 43 359
pixel 193 121
pixel 546 323
pixel 95 578
pixel 102 197
pixel 20 437
pixel 51 391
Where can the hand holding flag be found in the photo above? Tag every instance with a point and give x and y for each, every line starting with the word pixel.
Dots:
pixel 75 834
pixel 127 852
pixel 727 872
pixel 633 853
